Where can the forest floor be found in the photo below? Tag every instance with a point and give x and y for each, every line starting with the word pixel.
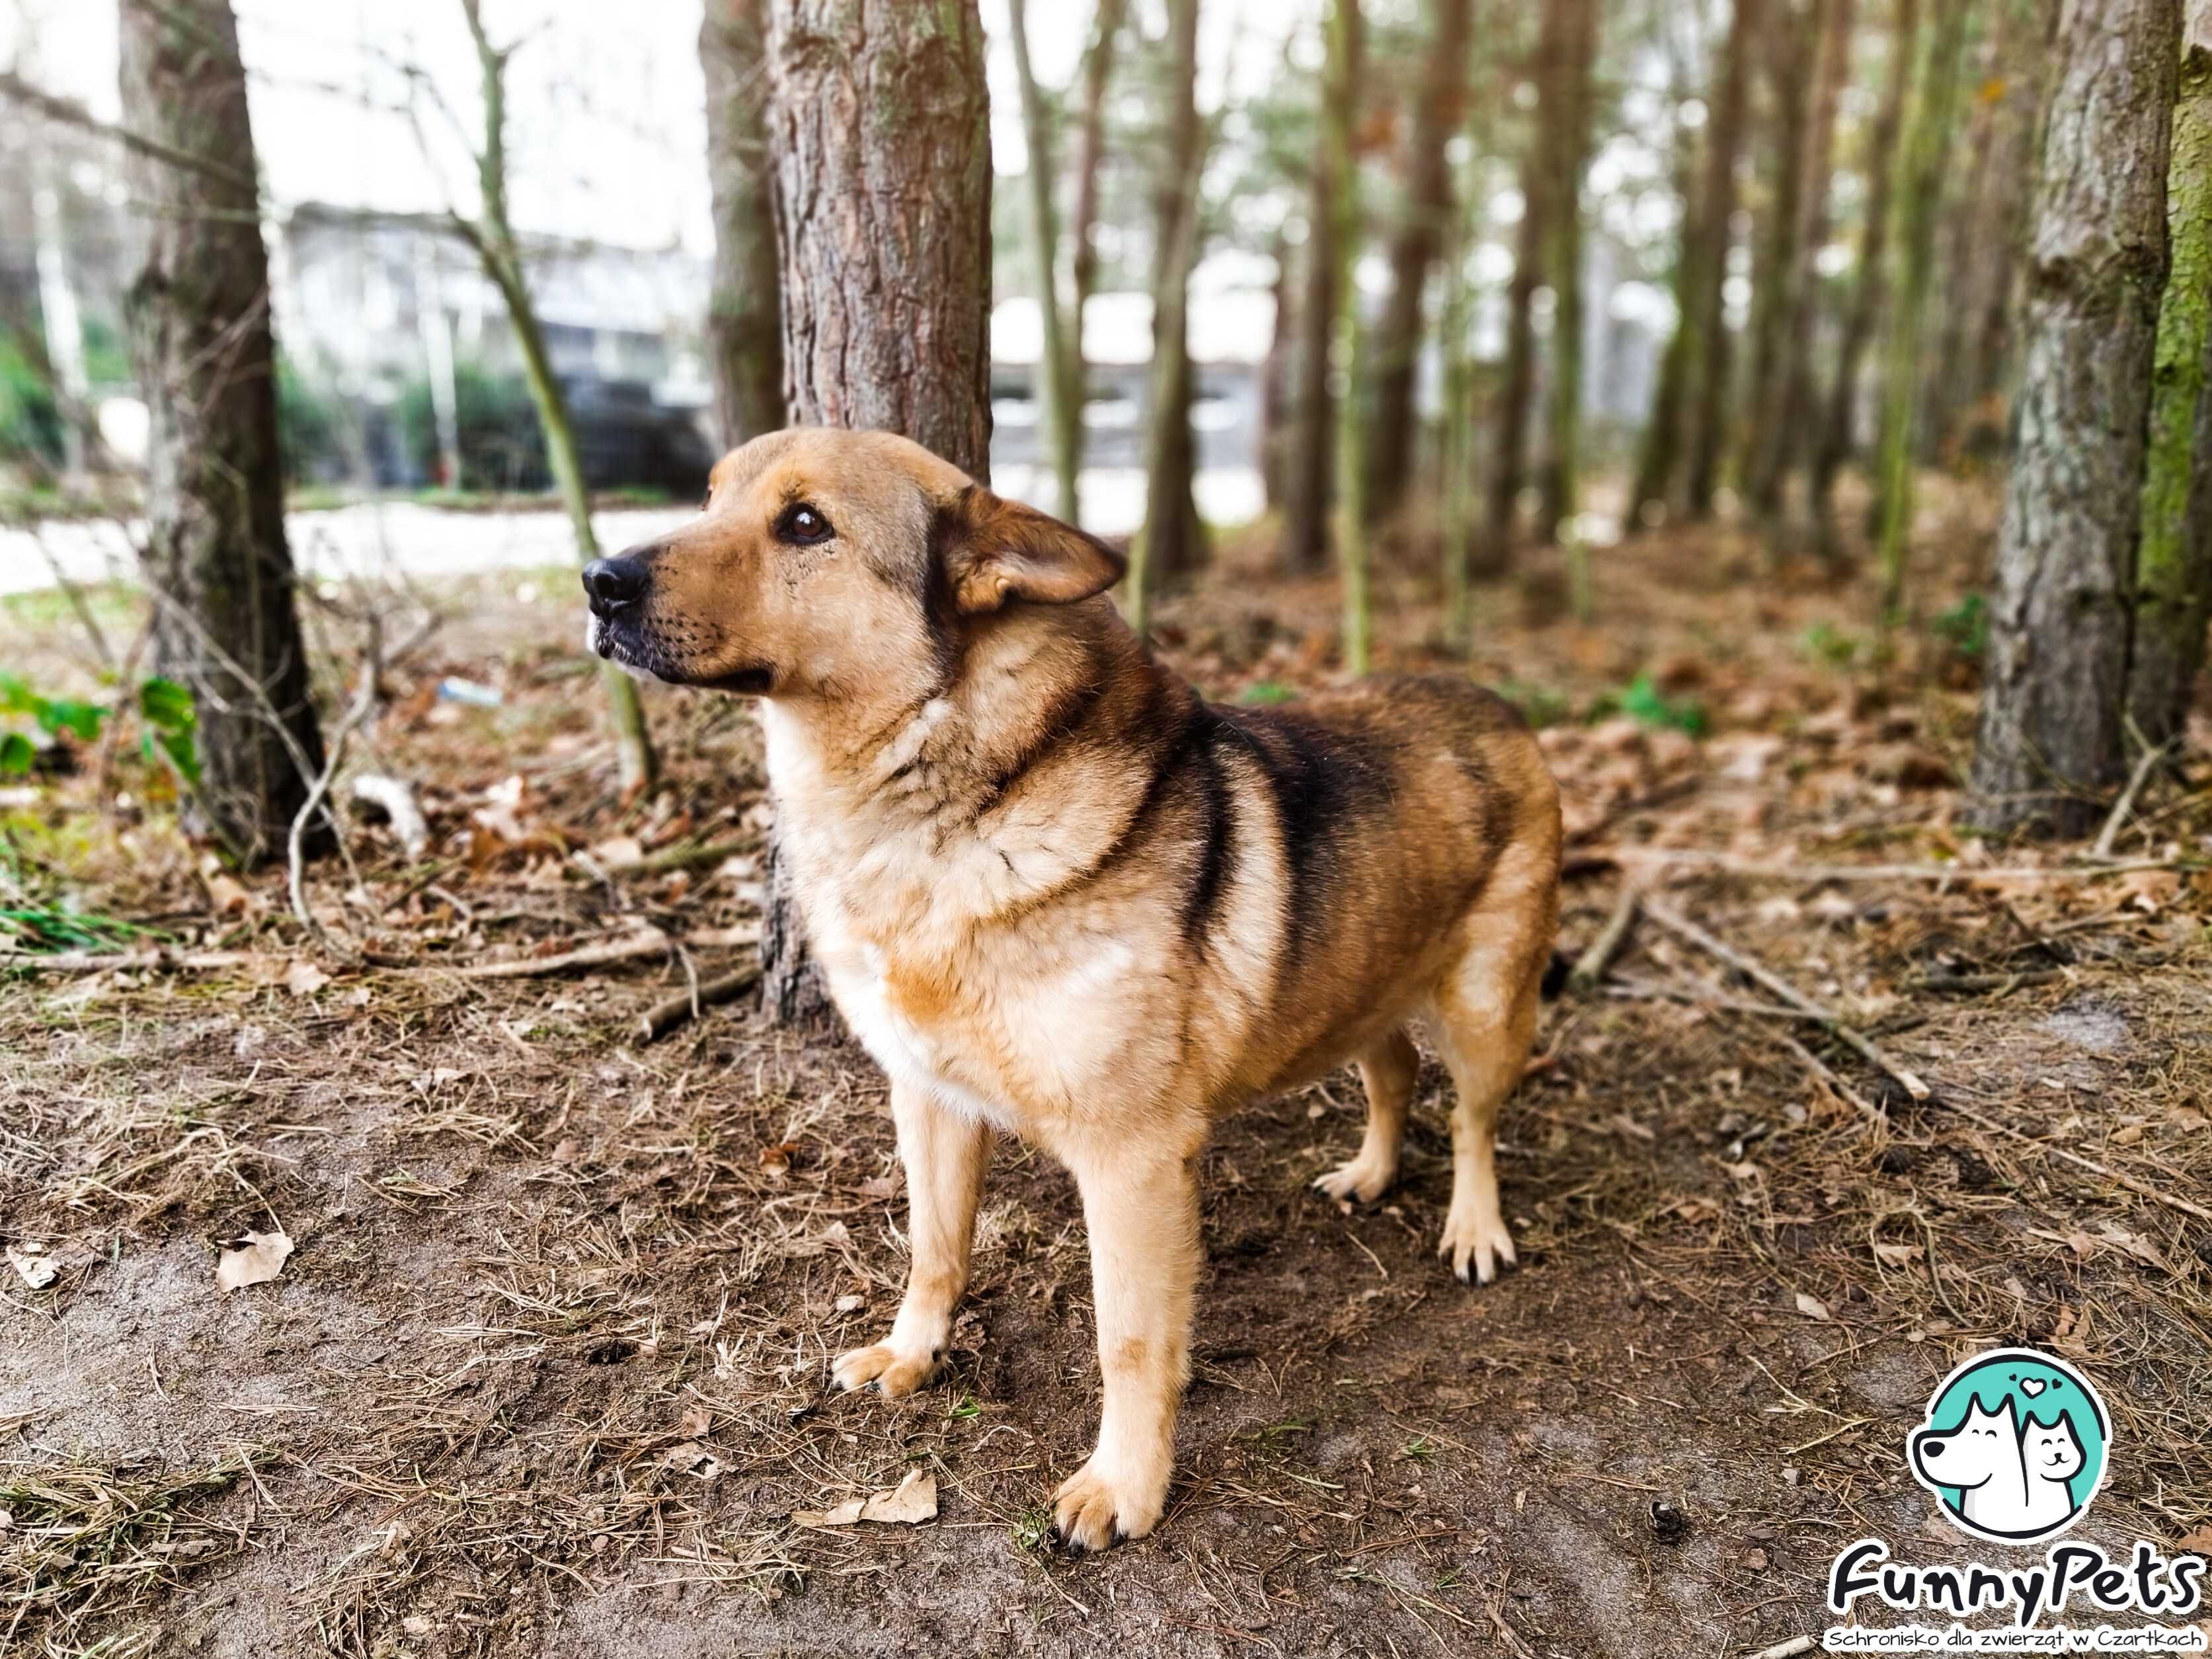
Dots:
pixel 546 1370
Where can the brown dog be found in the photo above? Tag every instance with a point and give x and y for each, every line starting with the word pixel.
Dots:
pixel 1058 895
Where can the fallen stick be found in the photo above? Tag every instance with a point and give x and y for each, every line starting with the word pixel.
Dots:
pixel 1788 1650
pixel 1970 984
pixel 1589 968
pixel 2123 808
pixel 99 962
pixel 2141 1188
pixel 650 943
pixel 1913 1087
pixel 685 1006
pixel 1812 874
pixel 1675 923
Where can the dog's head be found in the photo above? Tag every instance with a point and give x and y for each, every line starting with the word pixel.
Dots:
pixel 833 563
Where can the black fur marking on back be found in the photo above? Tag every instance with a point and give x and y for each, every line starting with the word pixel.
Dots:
pixel 1216 804
pixel 1320 779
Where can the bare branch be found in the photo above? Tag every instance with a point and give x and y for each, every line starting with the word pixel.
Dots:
pixel 70 113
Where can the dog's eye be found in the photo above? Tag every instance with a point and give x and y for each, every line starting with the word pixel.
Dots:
pixel 802 526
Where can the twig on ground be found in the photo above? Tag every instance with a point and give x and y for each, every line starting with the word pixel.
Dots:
pixel 692 856
pixel 2123 808
pixel 1972 984
pixel 2141 1188
pixel 1589 968
pixel 1788 1650
pixel 1675 923
pixel 649 942
pixel 101 961
pixel 1812 874
pixel 1827 1074
pixel 684 1006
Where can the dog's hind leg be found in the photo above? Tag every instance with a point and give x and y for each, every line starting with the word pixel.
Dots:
pixel 1388 1069
pixel 1485 1020
pixel 945 1154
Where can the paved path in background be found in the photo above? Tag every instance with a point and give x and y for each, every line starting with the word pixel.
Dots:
pixel 377 537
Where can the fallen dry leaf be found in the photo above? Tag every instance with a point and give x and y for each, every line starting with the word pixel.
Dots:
pixel 250 1259
pixel 912 1502
pixel 304 979
pixel 33 1266
pixel 1813 1308
pixel 2200 1541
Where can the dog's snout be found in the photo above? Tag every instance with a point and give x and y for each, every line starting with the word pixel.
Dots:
pixel 615 584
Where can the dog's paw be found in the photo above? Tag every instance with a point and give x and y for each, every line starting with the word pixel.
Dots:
pixel 1476 1247
pixel 1100 1505
pixel 1360 1181
pixel 895 1371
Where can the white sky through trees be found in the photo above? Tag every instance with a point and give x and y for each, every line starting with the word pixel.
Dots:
pixel 607 133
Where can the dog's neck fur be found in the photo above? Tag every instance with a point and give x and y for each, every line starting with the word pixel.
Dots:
pixel 916 805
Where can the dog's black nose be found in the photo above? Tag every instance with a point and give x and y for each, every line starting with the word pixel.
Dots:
pixel 615 584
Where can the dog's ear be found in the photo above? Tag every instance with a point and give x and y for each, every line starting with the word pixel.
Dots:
pixel 994 552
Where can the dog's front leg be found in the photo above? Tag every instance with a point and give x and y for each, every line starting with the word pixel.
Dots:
pixel 945 1154
pixel 1141 1207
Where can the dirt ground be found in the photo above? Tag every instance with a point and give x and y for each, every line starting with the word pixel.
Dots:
pixel 545 1373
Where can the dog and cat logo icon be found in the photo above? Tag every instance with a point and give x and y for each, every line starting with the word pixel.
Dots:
pixel 2013 1446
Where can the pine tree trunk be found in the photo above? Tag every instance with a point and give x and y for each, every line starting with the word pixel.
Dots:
pixel 1278 424
pixel 226 624
pixel 1303 548
pixel 1780 285
pixel 1168 545
pixel 1438 111
pixel 500 253
pixel 1060 423
pixel 1517 388
pixel 1339 109
pixel 1708 417
pixel 1659 456
pixel 1090 150
pixel 1567 110
pixel 1935 114
pixel 744 329
pixel 1839 427
pixel 880 131
pixel 2051 725
pixel 2174 570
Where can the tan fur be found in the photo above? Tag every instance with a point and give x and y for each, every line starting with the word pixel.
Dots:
pixel 1057 895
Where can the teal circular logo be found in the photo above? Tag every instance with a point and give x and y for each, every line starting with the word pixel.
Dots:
pixel 2013 1446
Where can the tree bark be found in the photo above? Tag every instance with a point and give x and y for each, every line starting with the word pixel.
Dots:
pixel 500 253
pixel 1090 149
pixel 1839 427
pixel 1811 47
pixel 1278 423
pixel 1567 111
pixel 1061 407
pixel 1439 110
pixel 1517 389
pixel 2174 569
pixel 879 133
pixel 1934 116
pixel 1171 544
pixel 1339 109
pixel 744 326
pixel 1303 547
pixel 879 128
pixel 227 625
pixel 2050 737
pixel 1709 418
